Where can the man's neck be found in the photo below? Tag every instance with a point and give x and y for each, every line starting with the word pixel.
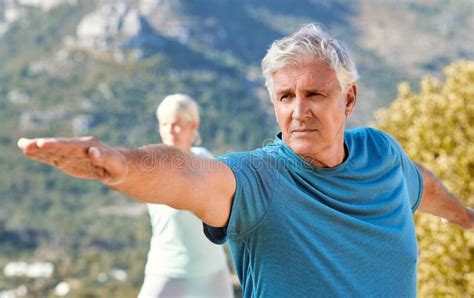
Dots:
pixel 329 158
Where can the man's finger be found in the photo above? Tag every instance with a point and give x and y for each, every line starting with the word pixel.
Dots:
pixel 76 147
pixel 26 144
pixel 112 161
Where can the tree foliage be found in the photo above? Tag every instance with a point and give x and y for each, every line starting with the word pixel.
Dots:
pixel 436 128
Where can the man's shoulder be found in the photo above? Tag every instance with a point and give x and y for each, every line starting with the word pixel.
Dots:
pixel 370 134
pixel 373 142
pixel 366 131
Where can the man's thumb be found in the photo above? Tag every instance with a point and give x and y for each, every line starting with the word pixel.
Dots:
pixel 110 164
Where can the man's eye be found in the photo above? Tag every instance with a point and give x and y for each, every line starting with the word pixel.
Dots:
pixel 284 97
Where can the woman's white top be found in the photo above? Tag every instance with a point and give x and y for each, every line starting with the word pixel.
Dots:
pixel 178 246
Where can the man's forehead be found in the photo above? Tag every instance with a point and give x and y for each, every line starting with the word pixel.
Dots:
pixel 304 77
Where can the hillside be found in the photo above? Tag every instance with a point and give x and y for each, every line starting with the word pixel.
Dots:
pixel 84 67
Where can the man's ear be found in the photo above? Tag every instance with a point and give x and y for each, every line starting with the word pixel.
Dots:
pixel 351 98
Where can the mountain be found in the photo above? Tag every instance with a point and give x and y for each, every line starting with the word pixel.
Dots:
pixel 84 67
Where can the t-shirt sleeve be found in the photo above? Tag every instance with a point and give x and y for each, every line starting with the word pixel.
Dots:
pixel 254 183
pixel 413 177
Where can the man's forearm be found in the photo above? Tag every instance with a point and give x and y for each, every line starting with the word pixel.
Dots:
pixel 437 200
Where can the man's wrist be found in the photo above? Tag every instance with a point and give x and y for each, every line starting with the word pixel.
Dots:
pixel 464 219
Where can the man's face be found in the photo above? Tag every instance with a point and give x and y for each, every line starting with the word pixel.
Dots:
pixel 311 109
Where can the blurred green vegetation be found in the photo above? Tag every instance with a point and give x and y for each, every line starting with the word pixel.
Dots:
pixel 436 128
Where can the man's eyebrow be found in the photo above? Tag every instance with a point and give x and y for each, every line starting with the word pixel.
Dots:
pixel 315 90
pixel 283 91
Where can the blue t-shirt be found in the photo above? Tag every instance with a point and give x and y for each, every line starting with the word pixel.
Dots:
pixel 296 230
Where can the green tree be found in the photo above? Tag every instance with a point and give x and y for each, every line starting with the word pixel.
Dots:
pixel 436 128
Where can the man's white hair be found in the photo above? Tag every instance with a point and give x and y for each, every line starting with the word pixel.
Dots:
pixel 311 41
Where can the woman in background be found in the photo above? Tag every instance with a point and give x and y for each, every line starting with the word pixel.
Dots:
pixel 182 262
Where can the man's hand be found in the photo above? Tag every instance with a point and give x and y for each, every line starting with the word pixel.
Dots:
pixel 85 157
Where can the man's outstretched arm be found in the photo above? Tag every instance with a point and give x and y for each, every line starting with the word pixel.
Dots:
pixel 437 200
pixel 154 173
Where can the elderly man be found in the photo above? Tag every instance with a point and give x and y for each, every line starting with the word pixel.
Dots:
pixel 320 212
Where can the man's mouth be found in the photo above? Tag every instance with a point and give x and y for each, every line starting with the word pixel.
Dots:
pixel 303 130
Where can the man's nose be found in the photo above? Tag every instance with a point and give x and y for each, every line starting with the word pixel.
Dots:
pixel 301 109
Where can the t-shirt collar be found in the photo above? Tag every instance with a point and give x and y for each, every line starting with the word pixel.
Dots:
pixel 295 160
